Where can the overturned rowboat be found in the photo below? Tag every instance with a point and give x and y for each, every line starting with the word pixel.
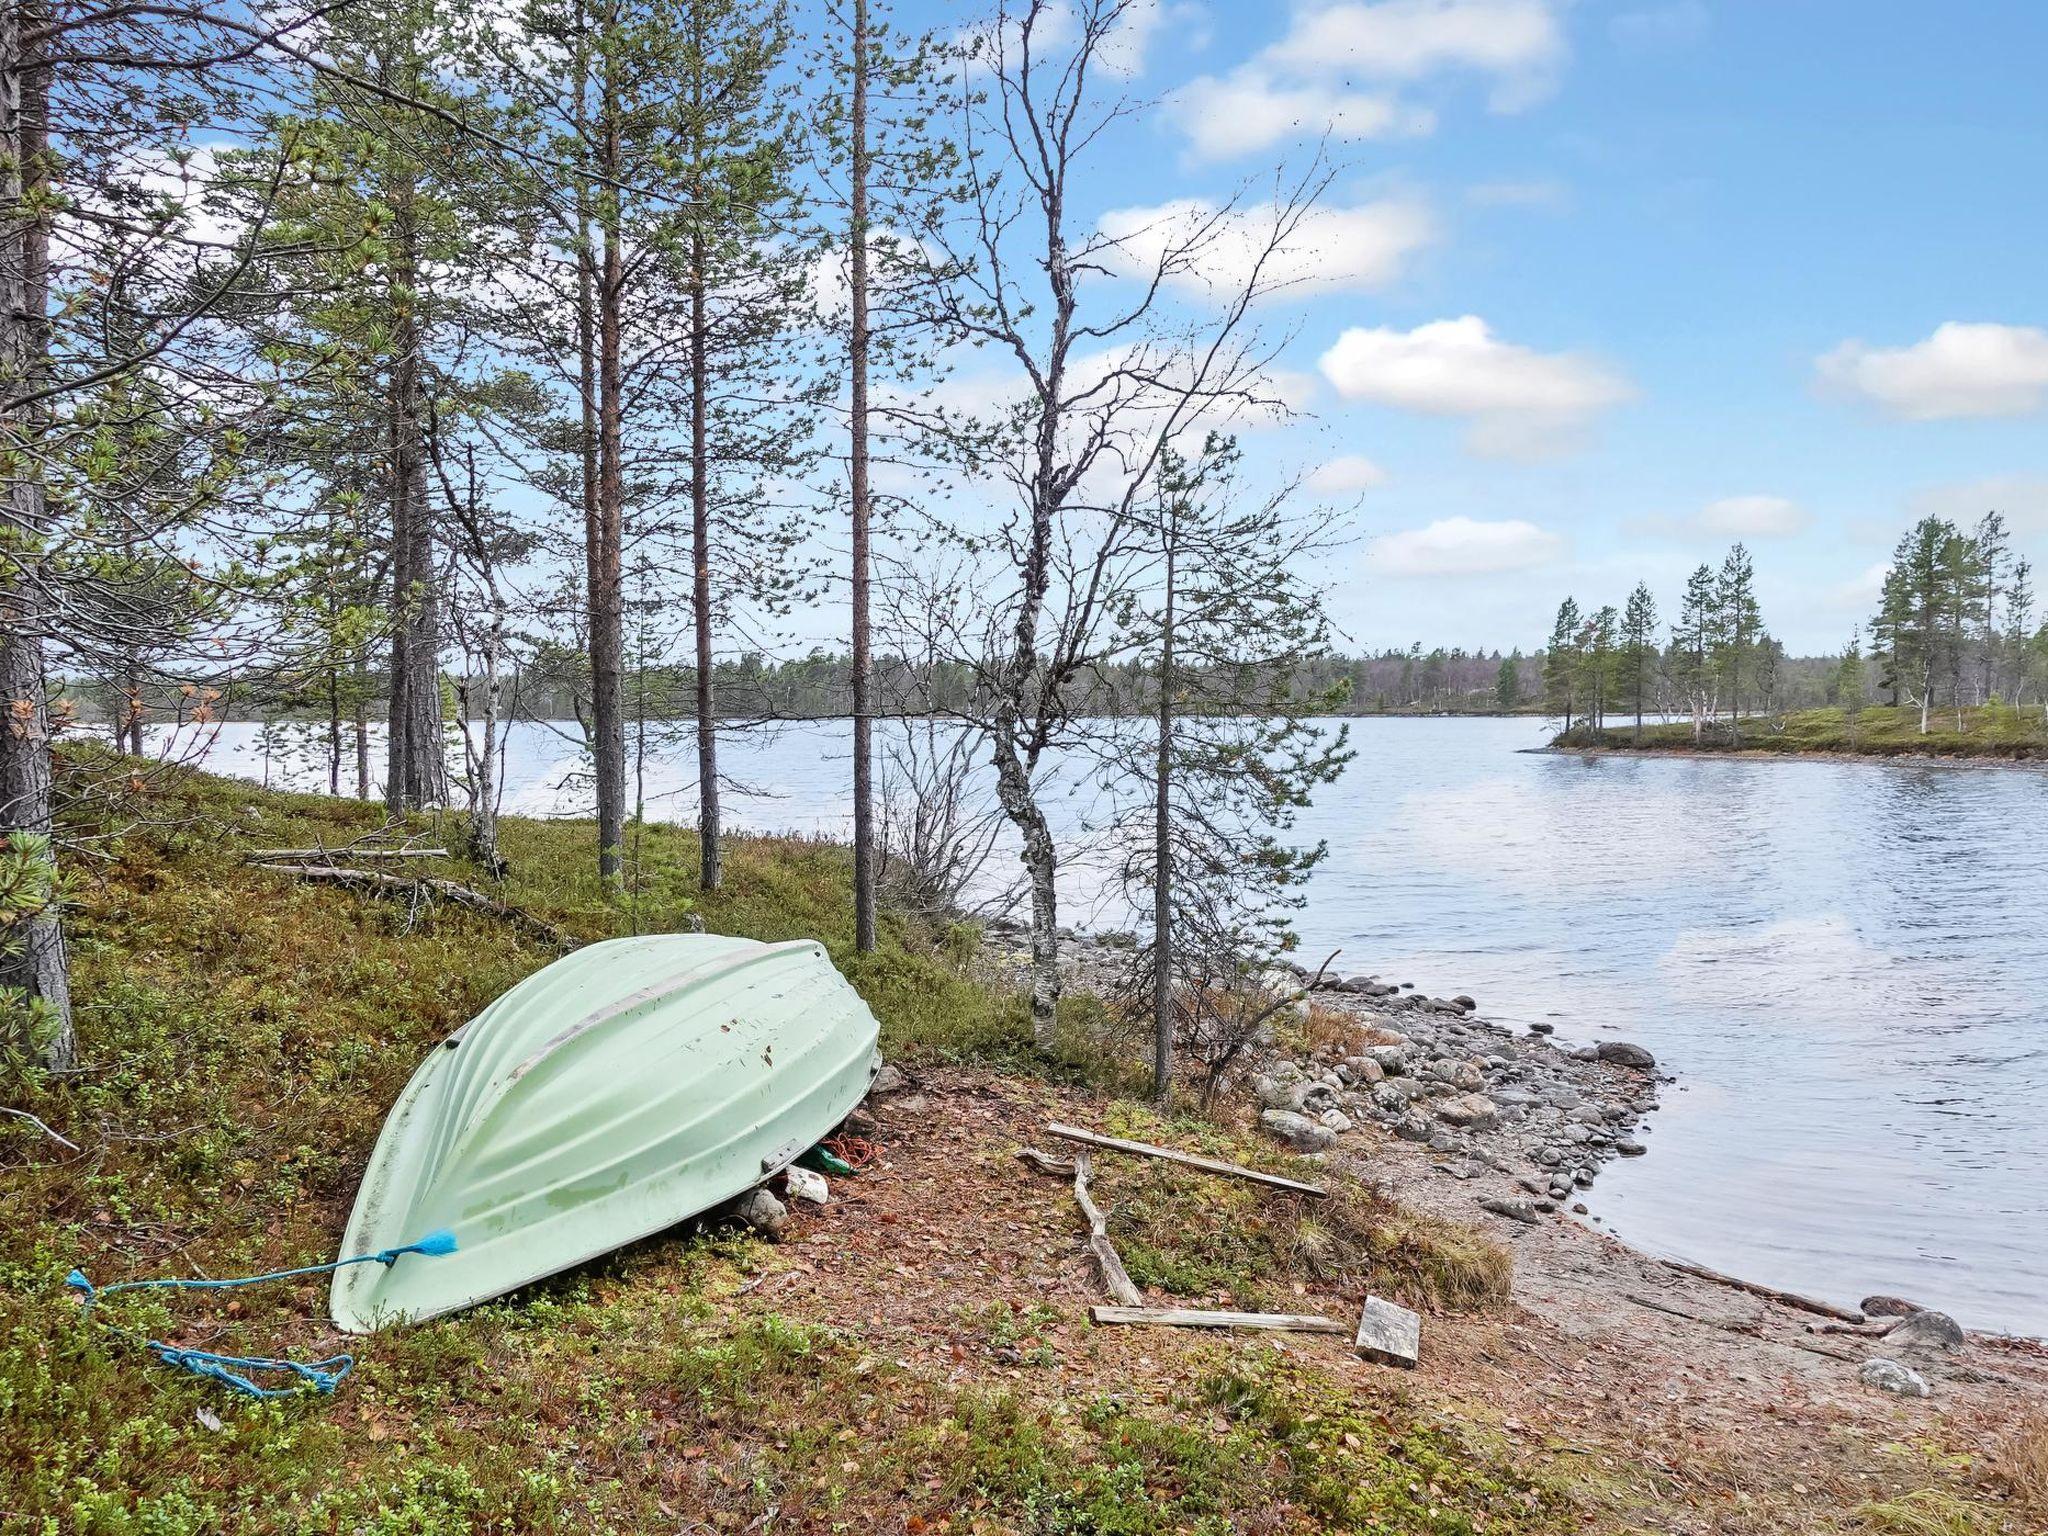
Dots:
pixel 629 1086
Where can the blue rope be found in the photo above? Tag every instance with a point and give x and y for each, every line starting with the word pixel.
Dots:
pixel 232 1370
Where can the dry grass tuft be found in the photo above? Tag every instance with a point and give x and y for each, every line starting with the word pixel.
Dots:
pixel 2023 1465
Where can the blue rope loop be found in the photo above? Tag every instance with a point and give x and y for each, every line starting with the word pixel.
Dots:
pixel 236 1371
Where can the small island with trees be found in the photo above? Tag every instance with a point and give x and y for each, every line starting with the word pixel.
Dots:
pixel 1955 667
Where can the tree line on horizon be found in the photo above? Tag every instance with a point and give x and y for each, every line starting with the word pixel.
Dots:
pixel 1955 625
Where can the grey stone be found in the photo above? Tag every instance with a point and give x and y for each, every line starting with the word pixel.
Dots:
pixel 1890 1376
pixel 1623 1054
pixel 1926 1331
pixel 1336 1120
pixel 1392 1059
pixel 889 1079
pixel 1414 1128
pixel 1391 1097
pixel 1473 1109
pixel 1297 1132
pixel 760 1210
pixel 1514 1210
pixel 1271 1092
pixel 1540 1028
pixel 1628 1146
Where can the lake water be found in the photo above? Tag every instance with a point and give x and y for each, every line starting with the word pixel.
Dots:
pixel 1844 964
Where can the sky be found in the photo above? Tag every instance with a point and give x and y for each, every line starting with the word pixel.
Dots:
pixel 1606 284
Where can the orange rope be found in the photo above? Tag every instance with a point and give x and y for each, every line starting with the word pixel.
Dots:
pixel 857 1152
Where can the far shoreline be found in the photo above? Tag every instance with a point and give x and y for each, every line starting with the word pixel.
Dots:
pixel 2036 762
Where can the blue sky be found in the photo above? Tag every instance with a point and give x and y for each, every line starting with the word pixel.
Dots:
pixel 1624 277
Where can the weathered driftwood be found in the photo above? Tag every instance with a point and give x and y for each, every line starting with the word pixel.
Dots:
pixel 1769 1293
pixel 1115 1278
pixel 1182 1317
pixel 1389 1334
pixel 22 1114
pixel 264 855
pixel 378 883
pixel 1045 1162
pixel 1185 1159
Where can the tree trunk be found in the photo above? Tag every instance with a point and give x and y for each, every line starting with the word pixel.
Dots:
pixel 416 773
pixel 32 961
pixel 857 474
pixel 1162 853
pixel 1013 792
pixel 604 496
pixel 710 871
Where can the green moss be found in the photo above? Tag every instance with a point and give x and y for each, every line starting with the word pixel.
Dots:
pixel 243 1036
pixel 1195 1235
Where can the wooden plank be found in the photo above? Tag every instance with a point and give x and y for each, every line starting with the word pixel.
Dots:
pixel 1389 1334
pixel 1182 1317
pixel 1115 1278
pixel 1185 1159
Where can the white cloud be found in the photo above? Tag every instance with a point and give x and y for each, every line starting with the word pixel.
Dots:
pixel 1461 546
pixel 1518 401
pixel 1359 248
pixel 1858 595
pixel 1346 475
pixel 2023 499
pixel 1124 49
pixel 1752 517
pixel 1519 42
pixel 1337 70
pixel 1250 109
pixel 1963 369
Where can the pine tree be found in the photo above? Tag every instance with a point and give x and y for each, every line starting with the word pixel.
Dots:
pixel 1561 663
pixel 1693 640
pixel 1639 648
pixel 1507 683
pixel 1739 625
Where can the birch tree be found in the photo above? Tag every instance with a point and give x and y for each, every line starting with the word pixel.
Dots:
pixel 1110 374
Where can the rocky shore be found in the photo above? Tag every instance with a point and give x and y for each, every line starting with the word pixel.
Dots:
pixel 1434 1071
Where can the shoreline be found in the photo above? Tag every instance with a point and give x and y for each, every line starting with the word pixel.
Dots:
pixel 1502 1130
pixel 2033 763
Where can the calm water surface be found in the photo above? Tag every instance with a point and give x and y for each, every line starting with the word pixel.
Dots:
pixel 1845 965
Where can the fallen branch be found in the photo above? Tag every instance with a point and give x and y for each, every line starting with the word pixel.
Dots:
pixel 1180 1317
pixel 262 855
pixel 22 1114
pixel 399 885
pixel 1185 1159
pixel 1783 1298
pixel 1044 1162
pixel 1115 1278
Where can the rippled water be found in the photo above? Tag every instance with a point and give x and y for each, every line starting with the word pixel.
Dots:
pixel 1845 965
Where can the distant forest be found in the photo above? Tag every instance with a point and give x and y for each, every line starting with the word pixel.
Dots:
pixel 1439 681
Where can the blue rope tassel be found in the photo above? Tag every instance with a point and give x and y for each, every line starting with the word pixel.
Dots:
pixel 235 1370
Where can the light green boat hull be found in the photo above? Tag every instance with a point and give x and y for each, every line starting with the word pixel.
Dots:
pixel 629 1086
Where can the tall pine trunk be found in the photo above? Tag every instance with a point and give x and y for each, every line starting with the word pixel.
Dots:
pixel 1162 849
pixel 416 772
pixel 599 323
pixel 32 959
pixel 710 863
pixel 857 474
